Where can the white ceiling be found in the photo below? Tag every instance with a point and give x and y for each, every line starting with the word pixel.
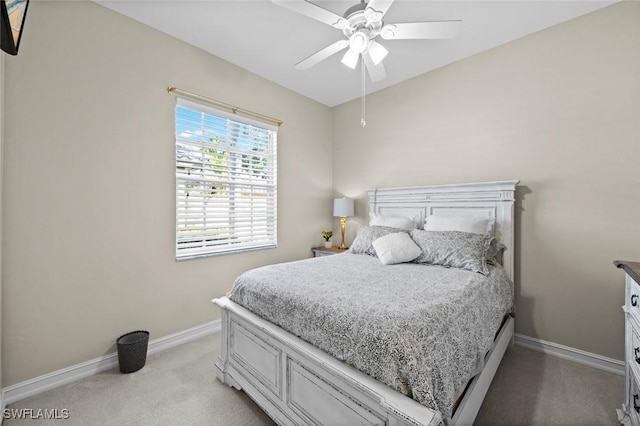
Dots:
pixel 268 40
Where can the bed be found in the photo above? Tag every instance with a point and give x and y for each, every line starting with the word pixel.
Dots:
pixel 297 382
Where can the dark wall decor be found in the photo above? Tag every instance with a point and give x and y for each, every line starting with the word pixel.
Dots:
pixel 13 13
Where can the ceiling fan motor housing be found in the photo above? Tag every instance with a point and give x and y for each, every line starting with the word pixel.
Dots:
pixel 360 7
pixel 356 17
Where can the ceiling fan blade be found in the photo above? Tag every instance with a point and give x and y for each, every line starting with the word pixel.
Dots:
pixel 421 30
pixel 316 12
pixel 323 54
pixel 376 72
pixel 376 9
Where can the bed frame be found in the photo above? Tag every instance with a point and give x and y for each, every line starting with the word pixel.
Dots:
pixel 296 383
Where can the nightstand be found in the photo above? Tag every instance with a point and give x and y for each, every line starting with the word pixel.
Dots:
pixel 322 251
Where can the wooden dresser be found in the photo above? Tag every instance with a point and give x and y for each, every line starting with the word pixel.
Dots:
pixel 629 414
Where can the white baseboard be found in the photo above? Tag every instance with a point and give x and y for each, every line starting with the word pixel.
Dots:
pixel 576 355
pixel 76 372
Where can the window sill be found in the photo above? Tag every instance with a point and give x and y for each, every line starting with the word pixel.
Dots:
pixel 222 253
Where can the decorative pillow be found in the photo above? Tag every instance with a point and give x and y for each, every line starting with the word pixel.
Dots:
pixel 367 235
pixel 493 249
pixel 451 248
pixel 396 248
pixel 406 223
pixel 474 224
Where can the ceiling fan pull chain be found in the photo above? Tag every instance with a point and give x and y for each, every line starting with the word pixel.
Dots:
pixel 363 122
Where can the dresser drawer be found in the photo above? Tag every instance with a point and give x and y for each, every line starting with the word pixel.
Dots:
pixel 323 253
pixel 634 401
pixel 633 297
pixel 634 353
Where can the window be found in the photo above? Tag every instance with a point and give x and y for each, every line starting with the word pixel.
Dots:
pixel 225 182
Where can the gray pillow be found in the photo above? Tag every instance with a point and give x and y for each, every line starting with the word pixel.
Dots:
pixel 363 244
pixel 451 248
pixel 493 249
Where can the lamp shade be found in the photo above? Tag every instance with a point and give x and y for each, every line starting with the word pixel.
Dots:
pixel 343 207
pixel 377 52
pixel 350 59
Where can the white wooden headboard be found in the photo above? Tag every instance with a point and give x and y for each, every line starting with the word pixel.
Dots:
pixel 485 199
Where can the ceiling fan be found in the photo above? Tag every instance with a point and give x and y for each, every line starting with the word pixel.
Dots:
pixel 362 24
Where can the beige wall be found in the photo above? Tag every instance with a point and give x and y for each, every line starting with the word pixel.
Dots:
pixel 558 110
pixel 89 207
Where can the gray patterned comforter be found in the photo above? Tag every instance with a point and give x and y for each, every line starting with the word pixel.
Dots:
pixel 422 330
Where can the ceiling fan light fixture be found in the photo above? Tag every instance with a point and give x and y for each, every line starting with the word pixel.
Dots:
pixel 377 52
pixel 350 59
pixel 359 41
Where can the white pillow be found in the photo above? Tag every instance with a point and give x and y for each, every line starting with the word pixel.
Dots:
pixel 474 224
pixel 406 223
pixel 396 248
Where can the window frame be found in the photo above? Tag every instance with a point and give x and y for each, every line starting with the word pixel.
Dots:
pixel 230 183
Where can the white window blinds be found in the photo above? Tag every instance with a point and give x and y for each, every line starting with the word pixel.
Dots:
pixel 225 182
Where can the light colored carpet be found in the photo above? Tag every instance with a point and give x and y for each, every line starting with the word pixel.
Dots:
pixel 178 387
pixel 531 388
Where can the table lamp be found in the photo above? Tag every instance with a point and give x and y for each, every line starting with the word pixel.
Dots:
pixel 343 208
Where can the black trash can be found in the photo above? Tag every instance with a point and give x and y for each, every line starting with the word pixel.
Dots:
pixel 132 350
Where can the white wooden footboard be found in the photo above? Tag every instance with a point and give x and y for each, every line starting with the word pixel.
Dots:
pixel 298 384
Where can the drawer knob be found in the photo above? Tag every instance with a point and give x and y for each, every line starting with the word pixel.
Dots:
pixel 634 300
pixel 636 354
pixel 635 403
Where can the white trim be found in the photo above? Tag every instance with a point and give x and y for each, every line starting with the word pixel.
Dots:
pixel 77 372
pixel 576 355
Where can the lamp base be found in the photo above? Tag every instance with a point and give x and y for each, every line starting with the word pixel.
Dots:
pixel 343 229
